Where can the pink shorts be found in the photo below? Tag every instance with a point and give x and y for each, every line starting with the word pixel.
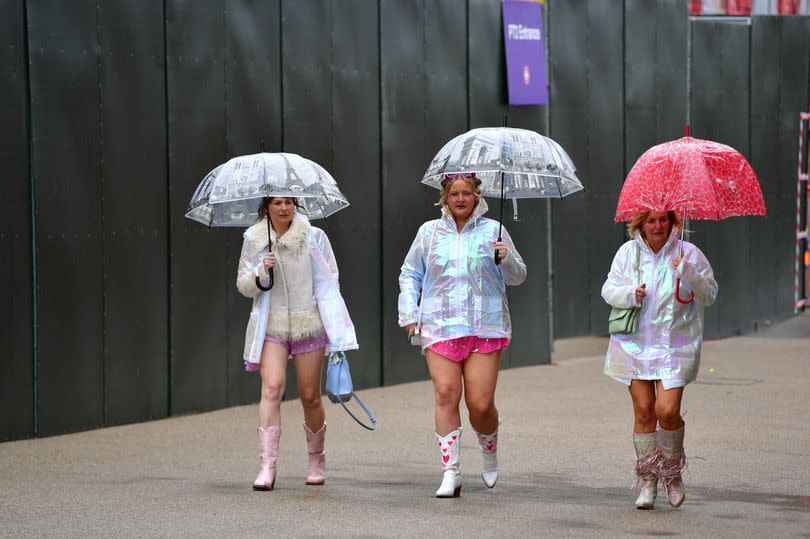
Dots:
pixel 310 344
pixel 460 349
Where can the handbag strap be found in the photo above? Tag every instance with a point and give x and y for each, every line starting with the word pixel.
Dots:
pixel 342 356
pixel 424 278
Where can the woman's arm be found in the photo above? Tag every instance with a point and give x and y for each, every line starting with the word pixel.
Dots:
pixel 410 281
pixel 248 271
pixel 322 240
pixel 512 267
pixel 696 272
pixel 619 289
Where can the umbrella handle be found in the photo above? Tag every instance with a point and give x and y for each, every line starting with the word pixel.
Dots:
pixel 497 255
pixel 678 294
pixel 270 285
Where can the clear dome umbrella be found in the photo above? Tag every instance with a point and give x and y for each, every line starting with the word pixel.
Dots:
pixel 230 194
pixel 511 163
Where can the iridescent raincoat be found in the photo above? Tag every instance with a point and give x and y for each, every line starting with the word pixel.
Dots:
pixel 463 291
pixel 667 344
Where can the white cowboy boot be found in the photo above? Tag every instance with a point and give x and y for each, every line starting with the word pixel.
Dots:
pixel 647 461
pixel 450 451
pixel 673 463
pixel 489 456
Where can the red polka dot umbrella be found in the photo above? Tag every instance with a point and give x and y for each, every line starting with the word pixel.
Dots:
pixel 699 179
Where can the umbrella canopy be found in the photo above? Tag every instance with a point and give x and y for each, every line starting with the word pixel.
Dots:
pixel 533 166
pixel 231 193
pixel 699 179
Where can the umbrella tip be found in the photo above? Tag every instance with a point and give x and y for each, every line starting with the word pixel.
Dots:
pixel 687 130
pixel 505 119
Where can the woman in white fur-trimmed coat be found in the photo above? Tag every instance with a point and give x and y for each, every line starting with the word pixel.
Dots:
pixel 302 316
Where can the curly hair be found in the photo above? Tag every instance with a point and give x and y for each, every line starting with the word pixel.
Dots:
pixel 447 181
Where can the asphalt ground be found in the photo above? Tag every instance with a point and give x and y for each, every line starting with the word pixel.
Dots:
pixel 565 452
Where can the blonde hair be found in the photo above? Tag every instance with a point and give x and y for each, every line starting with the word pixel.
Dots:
pixel 447 181
pixel 636 224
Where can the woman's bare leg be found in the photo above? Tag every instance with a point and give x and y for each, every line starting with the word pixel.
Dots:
pixel 643 394
pixel 480 378
pixel 272 368
pixel 308 372
pixel 446 376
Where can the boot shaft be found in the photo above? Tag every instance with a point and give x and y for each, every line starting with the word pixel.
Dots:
pixel 450 449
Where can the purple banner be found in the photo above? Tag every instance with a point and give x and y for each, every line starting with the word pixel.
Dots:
pixel 525 53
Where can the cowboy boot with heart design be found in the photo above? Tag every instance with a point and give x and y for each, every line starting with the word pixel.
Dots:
pixel 489 456
pixel 450 451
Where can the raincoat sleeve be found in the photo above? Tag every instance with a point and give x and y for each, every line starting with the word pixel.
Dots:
pixel 410 280
pixel 619 289
pixel 249 268
pixel 322 240
pixel 696 272
pixel 512 267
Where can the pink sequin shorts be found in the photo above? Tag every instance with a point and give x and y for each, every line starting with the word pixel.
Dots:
pixel 460 349
pixel 310 344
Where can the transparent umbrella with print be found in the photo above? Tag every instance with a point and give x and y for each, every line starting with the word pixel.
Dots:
pixel 230 195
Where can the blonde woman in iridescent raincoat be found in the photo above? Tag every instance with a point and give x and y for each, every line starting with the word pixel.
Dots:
pixel 658 360
pixel 303 316
pixel 463 322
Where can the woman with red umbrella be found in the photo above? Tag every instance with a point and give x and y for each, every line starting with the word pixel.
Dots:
pixel 670 282
pixel 663 355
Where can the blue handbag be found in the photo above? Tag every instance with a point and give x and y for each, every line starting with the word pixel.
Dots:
pixel 339 386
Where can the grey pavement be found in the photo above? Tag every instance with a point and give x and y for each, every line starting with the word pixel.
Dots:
pixel 565 451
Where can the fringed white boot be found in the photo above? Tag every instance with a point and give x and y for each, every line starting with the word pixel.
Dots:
pixel 450 451
pixel 673 463
pixel 647 462
pixel 489 456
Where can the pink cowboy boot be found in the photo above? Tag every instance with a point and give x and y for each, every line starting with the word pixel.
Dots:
pixel 673 463
pixel 647 462
pixel 268 450
pixel 489 456
pixel 316 469
pixel 450 451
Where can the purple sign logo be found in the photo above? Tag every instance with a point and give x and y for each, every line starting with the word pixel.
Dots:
pixel 525 53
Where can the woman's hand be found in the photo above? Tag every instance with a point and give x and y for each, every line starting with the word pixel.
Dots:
pixel 269 261
pixel 641 293
pixel 677 261
pixel 409 329
pixel 502 249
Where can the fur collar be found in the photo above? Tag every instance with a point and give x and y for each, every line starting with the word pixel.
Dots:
pixel 294 240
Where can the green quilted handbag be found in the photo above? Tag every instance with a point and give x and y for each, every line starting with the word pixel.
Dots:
pixel 625 321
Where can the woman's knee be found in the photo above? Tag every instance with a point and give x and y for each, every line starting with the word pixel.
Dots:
pixel 310 400
pixel 645 412
pixel 272 392
pixel 667 413
pixel 447 395
pixel 480 408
